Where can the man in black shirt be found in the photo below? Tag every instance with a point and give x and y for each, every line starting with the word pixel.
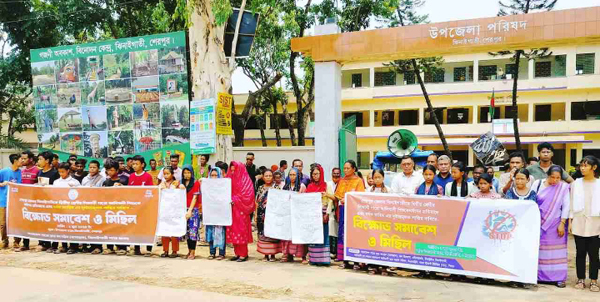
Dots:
pixel 250 167
pixel 79 174
pixel 113 179
pixel 46 176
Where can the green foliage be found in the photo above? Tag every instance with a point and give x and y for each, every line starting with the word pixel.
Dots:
pixel 515 7
pixel 222 10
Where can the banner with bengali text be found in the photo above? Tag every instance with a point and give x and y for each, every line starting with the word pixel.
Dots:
pixel 117 215
pixel 496 239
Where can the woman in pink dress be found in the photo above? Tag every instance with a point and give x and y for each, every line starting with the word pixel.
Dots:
pixel 242 205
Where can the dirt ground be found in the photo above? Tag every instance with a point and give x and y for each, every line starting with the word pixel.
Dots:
pixel 256 279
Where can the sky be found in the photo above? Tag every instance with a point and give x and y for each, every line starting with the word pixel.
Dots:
pixel 439 11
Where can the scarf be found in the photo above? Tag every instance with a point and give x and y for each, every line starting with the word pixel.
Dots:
pixel 579 197
pixel 296 185
pixel 190 185
pixel 317 186
pixel 433 190
pixel 464 189
pixel 242 188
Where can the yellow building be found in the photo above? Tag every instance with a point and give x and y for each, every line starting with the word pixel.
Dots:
pixel 558 96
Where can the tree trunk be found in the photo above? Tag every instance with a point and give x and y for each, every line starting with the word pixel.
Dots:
pixel 430 108
pixel 261 123
pixel 515 108
pixel 211 72
pixel 290 123
pixel 276 121
pixel 301 126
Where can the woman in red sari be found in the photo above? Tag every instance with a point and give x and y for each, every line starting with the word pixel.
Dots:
pixel 242 205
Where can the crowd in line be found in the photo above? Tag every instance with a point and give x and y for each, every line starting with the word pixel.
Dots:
pixel 568 204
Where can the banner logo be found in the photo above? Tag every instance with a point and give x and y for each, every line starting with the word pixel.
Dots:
pixel 499 225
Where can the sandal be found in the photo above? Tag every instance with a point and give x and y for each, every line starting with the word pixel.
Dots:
pixel 164 255
pixel 580 284
pixel 96 252
pixel 211 257
pixel 107 252
pixel 220 257
pixel 272 259
pixel 356 267
pixel 372 271
pixel 149 254
pixel 561 284
pixel 121 252
pixel 594 287
pixel 173 255
pixel 304 261
pixel 191 257
pixel 284 259
pixel 266 259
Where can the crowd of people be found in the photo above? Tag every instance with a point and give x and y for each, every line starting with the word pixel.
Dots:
pixel 567 205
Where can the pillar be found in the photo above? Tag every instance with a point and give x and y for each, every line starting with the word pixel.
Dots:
pixel 579 152
pixel 531 114
pixel 568 148
pixel 471 158
pixel 568 111
pixel 328 114
pixel 421 116
pixel 534 151
pixel 475 71
pixel 372 77
pixel 372 118
pixel 475 115
pixel 571 61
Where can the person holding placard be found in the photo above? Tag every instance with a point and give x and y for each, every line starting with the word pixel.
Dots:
pixel 170 183
pixel 266 246
pixel 293 183
pixel 242 205
pixel 215 234
pixel 350 183
pixel 194 200
pixel 319 253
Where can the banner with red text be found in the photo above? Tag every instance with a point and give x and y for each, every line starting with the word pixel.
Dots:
pixel 497 239
pixel 117 215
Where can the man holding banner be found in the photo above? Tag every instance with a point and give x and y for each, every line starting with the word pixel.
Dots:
pixel 7 176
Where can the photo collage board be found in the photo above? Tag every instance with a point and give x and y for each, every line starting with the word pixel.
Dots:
pixel 117 97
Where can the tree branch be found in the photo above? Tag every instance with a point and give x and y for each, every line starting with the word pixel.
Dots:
pixel 236 35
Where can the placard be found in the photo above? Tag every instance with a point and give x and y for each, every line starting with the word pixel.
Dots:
pixel 171 215
pixel 489 150
pixel 278 219
pixel 216 201
pixel 202 126
pixel 307 218
pixel 224 104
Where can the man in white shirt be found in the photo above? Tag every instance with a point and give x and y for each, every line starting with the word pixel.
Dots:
pixel 93 179
pixel 408 181
pixel 176 170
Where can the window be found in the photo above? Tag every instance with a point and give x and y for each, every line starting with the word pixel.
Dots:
pixel 543 113
pixel 410 78
pixel 254 121
pixel 359 117
pixel 585 63
pixel 511 69
pixel 560 66
pixel 508 112
pixel 363 160
pixel 356 80
pixel 484 114
pixel 385 78
pixel 283 124
pixel 487 73
pixel 543 69
pixel 458 116
pixel 470 73
pixel 439 112
pixel 460 74
pixel 436 76
pixel 581 111
pixel 387 118
pixel 408 117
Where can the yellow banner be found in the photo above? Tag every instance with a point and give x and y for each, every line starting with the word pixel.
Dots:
pixel 224 104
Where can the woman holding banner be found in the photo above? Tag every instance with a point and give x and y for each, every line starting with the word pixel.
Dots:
pixel 350 183
pixel 194 201
pixel 319 253
pixel 293 183
pixel 266 246
pixel 215 234
pixel 242 205
pixel 553 201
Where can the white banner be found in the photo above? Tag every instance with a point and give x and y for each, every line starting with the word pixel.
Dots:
pixel 278 220
pixel 171 213
pixel 307 218
pixel 216 201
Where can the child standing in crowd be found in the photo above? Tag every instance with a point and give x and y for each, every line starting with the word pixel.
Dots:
pixel 122 167
pixel 194 201
pixel 370 181
pixel 429 187
pixel 169 183
pixel 114 180
pixel 242 205
pixel 79 174
pixel 94 179
pixel 216 234
pixel 140 178
pixel 585 221
pixel 485 183
pixel 266 246
pixel 377 185
pixel 459 187
pixel 46 176
pixel 293 183
pixel 7 175
pixel 153 172
pixel 65 181
pixel 521 189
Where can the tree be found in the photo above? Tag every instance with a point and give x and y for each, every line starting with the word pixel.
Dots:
pixel 515 7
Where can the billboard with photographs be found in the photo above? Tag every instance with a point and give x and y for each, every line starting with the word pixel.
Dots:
pixel 116 97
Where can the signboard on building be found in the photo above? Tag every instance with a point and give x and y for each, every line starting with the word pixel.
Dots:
pixel 470 34
pixel 503 126
pixel 489 150
pixel 224 103
pixel 202 126
pixel 116 97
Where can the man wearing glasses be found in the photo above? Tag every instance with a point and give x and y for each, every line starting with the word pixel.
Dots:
pixel 408 181
pixel 250 167
pixel 539 170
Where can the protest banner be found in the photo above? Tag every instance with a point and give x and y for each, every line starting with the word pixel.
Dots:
pixel 117 215
pixel 489 150
pixel 307 218
pixel 171 213
pixel 216 201
pixel 278 220
pixel 495 239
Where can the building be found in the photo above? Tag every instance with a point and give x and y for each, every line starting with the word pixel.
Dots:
pixel 558 98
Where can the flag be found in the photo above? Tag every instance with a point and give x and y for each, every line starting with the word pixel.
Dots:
pixel 492 106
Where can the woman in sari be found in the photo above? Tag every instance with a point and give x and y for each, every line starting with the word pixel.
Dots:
pixel 350 183
pixel 242 205
pixel 554 201
pixel 194 200
pixel 266 246
pixel 293 183
pixel 215 234
pixel 319 253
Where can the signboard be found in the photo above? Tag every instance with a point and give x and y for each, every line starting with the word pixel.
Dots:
pixel 202 127
pixel 216 201
pixel 115 97
pixel 307 218
pixel 503 126
pixel 115 215
pixel 171 217
pixel 489 150
pixel 224 103
pixel 493 239
pixel 470 34
pixel 278 219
